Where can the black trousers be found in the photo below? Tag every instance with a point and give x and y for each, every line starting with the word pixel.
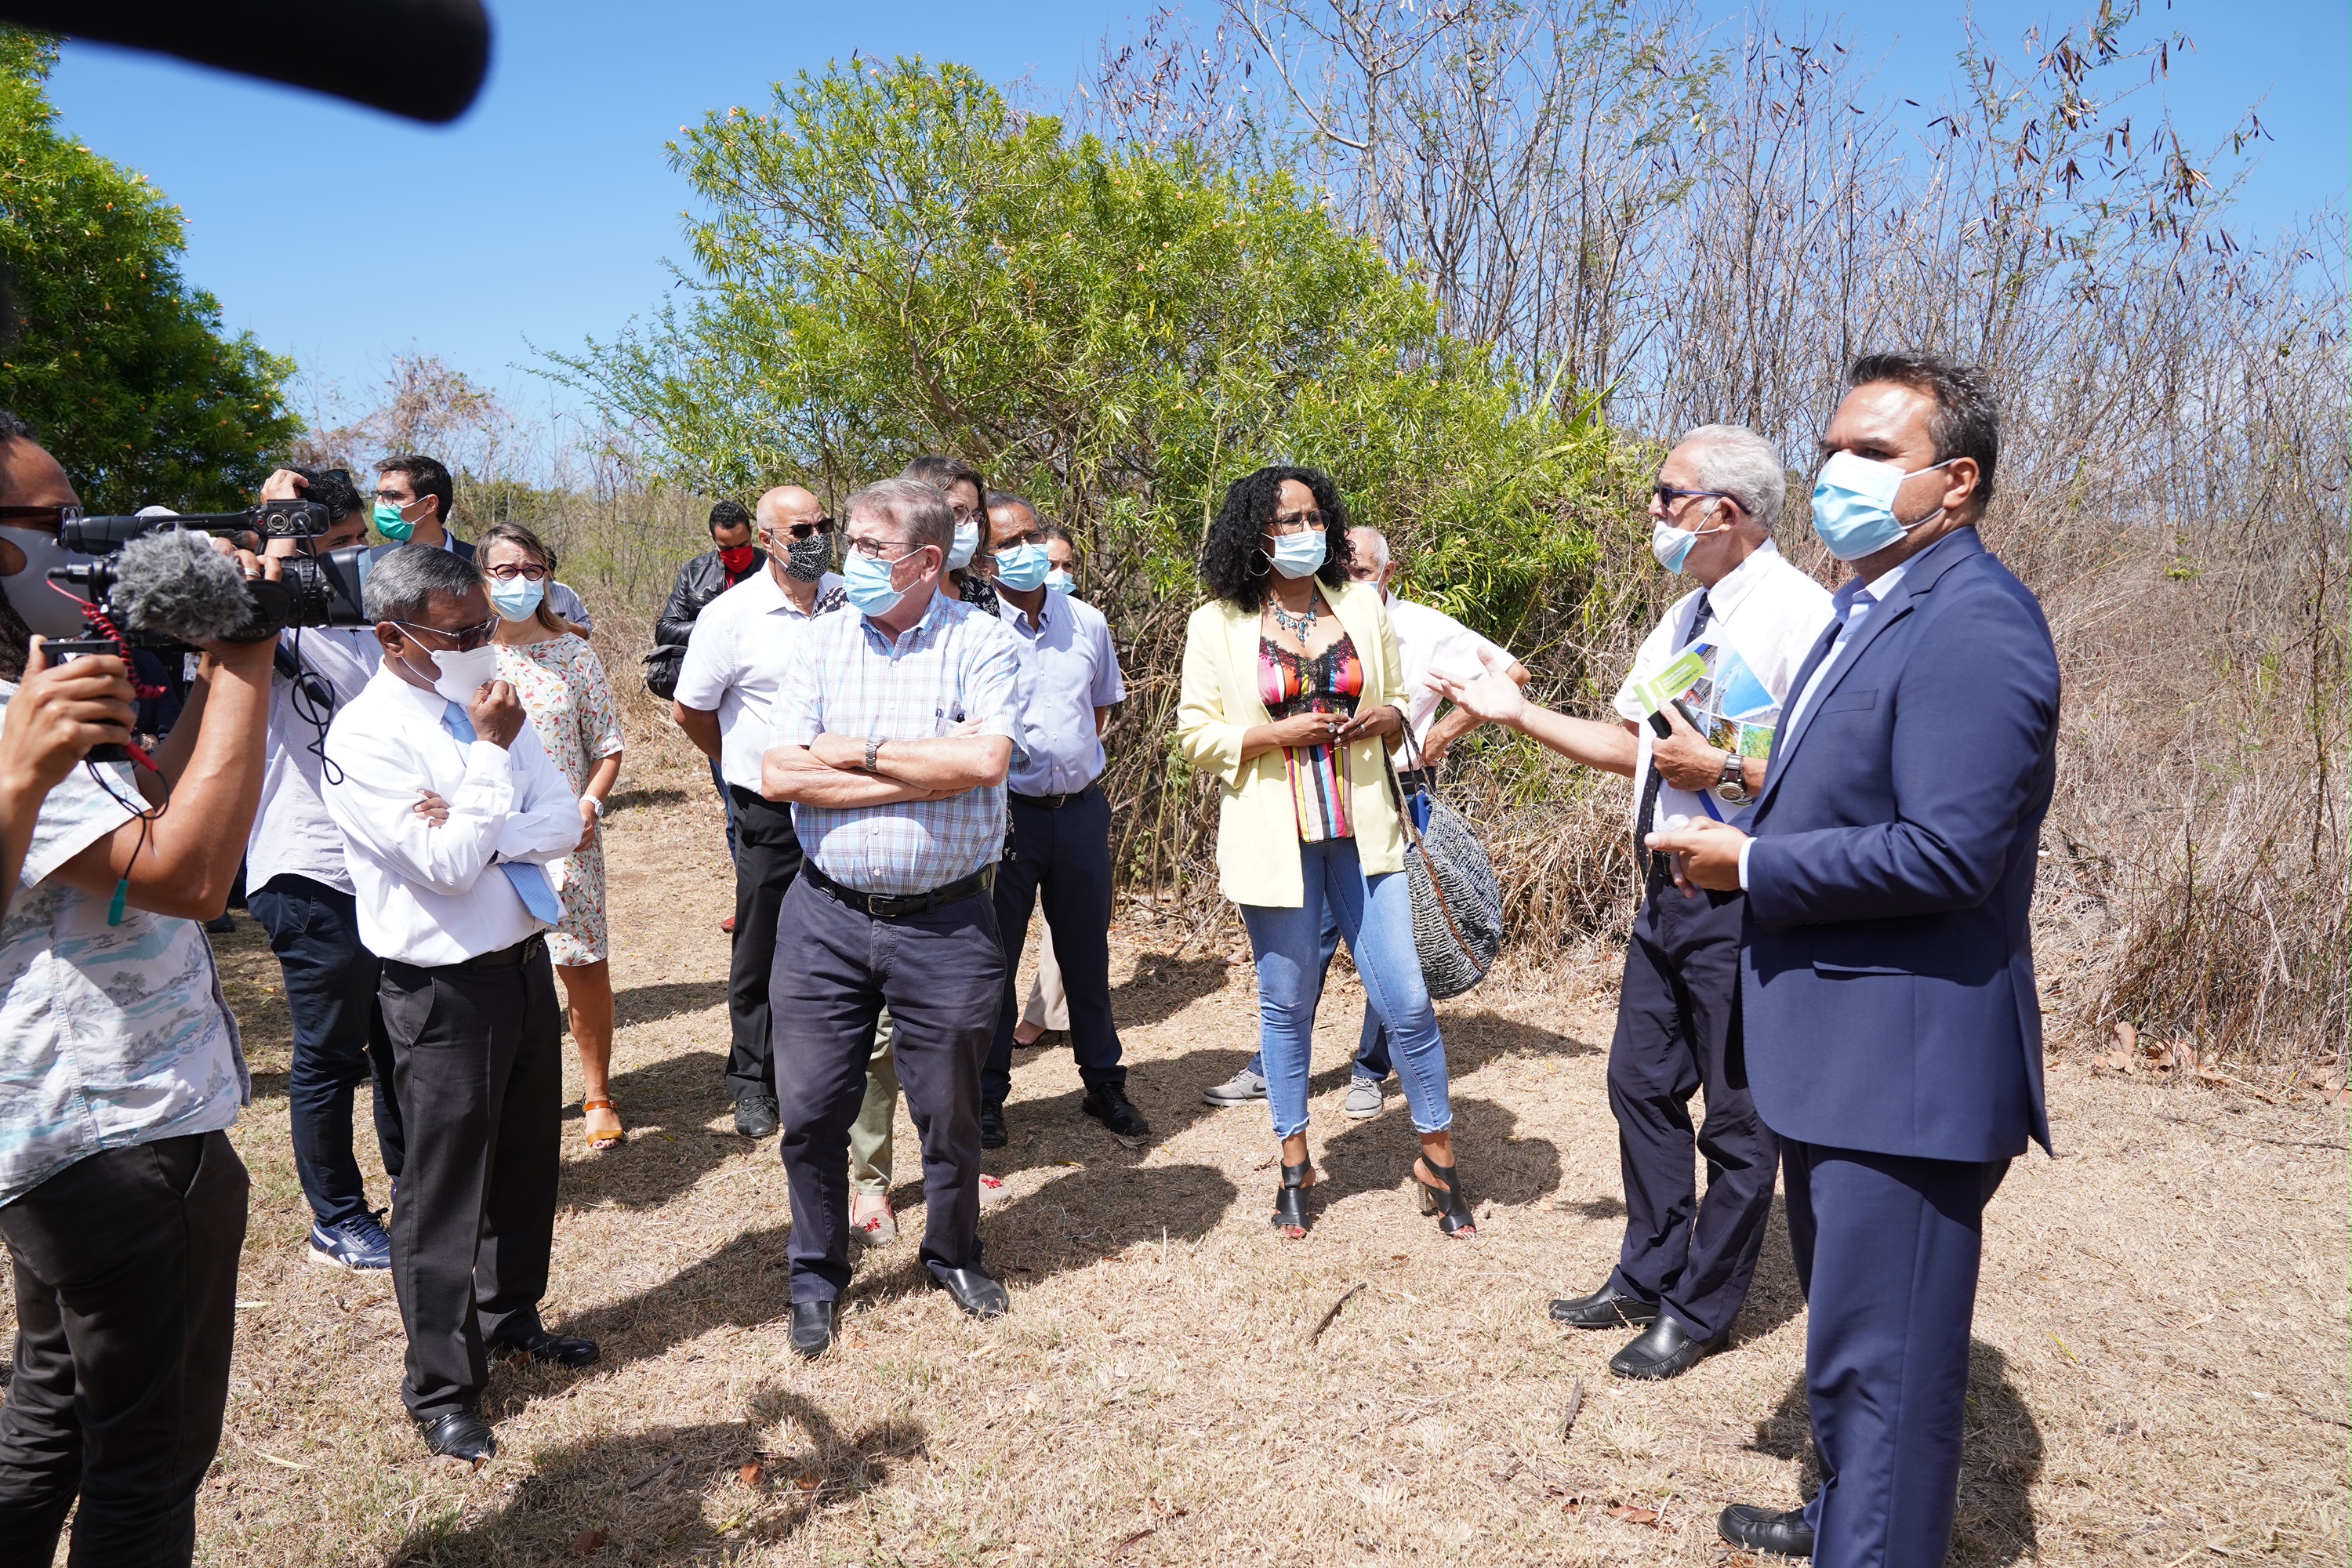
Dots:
pixel 1064 854
pixel 125 1270
pixel 767 863
pixel 1677 1035
pixel 478 1064
pixel 941 974
pixel 339 1038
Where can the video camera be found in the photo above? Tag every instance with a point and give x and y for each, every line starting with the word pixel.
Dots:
pixel 158 582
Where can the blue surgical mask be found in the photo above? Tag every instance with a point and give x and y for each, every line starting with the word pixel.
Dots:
pixel 866 582
pixel 1300 555
pixel 1061 581
pixel 1023 567
pixel 517 598
pixel 967 545
pixel 1672 545
pixel 1854 505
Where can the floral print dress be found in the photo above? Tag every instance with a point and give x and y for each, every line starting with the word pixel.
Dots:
pixel 561 685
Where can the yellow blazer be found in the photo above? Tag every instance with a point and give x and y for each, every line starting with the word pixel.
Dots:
pixel 1257 825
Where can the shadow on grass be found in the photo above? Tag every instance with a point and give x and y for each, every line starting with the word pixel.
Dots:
pixel 653 1494
pixel 1773 1295
pixel 677 1094
pixel 1164 984
pixel 622 799
pixel 2000 1459
pixel 1475 1039
pixel 652 1004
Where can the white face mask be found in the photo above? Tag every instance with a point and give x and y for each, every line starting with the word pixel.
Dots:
pixel 462 674
pixel 39 605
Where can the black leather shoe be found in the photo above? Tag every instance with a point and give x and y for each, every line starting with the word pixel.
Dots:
pixel 992 1125
pixel 461 1435
pixel 755 1116
pixel 1666 1349
pixel 1761 1530
pixel 973 1291
pixel 813 1326
pixel 1109 1106
pixel 559 1349
pixel 1604 1309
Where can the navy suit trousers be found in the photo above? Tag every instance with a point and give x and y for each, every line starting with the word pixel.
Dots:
pixel 1063 854
pixel 1886 1248
pixel 1678 1035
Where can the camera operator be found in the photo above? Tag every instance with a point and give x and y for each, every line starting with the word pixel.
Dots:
pixel 121 1200
pixel 300 888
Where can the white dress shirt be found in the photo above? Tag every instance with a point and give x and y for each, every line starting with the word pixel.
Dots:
pixel 430 894
pixel 1764 611
pixel 1429 643
pixel 735 662
pixel 292 834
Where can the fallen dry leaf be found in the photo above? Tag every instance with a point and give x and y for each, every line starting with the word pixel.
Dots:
pixel 1131 1541
pixel 1632 1515
pixel 587 1541
pixel 807 1481
pixel 753 1473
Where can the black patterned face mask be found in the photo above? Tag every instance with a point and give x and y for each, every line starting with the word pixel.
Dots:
pixel 808 558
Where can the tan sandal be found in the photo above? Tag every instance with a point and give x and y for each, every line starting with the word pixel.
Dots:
pixel 601 1140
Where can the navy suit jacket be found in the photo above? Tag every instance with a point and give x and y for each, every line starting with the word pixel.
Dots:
pixel 1886 966
pixel 461 548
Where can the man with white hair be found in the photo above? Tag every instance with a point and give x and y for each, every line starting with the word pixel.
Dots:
pixel 1429 641
pixel 1697 717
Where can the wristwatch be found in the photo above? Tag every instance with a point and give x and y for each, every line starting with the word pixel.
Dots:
pixel 872 754
pixel 1732 787
pixel 595 805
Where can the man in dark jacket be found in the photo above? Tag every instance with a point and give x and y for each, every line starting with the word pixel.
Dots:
pixel 700 581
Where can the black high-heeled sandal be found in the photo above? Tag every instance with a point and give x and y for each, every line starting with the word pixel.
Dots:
pixel 1290 1203
pixel 1454 1216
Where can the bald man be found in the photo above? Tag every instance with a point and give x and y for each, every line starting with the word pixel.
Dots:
pixel 725 703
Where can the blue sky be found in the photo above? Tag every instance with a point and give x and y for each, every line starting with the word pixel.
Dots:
pixel 544 214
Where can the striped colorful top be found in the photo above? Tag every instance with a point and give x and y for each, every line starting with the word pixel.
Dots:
pixel 1291 684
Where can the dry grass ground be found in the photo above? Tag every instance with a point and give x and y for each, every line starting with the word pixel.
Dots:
pixel 2160 1365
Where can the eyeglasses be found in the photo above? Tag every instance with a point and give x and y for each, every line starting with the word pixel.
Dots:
pixel 465 640
pixel 964 514
pixel 55 516
pixel 1296 521
pixel 872 548
pixel 392 498
pixel 1666 495
pixel 823 528
pixel 529 572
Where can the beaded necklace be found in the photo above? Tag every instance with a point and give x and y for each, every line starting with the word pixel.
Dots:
pixel 1301 626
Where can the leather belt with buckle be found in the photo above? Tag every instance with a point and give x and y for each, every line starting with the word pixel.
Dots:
pixel 1051 801
pixel 899 906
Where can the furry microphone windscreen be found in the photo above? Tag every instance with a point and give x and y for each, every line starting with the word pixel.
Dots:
pixel 173 582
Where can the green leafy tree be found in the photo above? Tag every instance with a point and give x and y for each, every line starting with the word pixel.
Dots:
pixel 895 261
pixel 122 367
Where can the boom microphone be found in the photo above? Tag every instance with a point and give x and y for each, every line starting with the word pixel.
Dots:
pixel 176 585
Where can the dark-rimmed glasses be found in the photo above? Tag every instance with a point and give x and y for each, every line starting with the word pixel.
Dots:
pixel 1296 520
pixel 872 548
pixel 1666 495
pixel 465 640
pixel 529 571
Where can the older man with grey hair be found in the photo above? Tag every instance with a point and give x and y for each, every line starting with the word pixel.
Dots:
pixel 450 812
pixel 1695 721
pixel 893 729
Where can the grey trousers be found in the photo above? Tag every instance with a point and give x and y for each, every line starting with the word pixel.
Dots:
pixel 940 973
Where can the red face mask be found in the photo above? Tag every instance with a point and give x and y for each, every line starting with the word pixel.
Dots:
pixel 737 560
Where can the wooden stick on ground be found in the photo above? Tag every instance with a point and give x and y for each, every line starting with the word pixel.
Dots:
pixel 1353 1291
pixel 1575 1403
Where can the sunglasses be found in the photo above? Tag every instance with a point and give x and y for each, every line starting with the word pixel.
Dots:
pixel 55 516
pixel 465 640
pixel 823 528
pixel 1666 495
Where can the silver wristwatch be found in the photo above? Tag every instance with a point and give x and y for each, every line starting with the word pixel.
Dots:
pixel 1732 787
pixel 872 754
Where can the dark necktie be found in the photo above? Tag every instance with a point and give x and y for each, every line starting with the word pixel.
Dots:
pixel 1649 785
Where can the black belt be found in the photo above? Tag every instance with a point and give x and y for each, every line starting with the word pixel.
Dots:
pixel 513 957
pixel 1417 778
pixel 898 906
pixel 1051 801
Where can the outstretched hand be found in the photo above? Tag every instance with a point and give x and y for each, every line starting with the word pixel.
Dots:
pixel 1493 697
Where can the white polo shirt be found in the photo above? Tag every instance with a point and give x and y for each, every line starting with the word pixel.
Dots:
pixel 1431 642
pixel 1762 620
pixel 735 664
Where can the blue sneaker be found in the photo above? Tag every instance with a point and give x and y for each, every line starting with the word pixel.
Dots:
pixel 358 1244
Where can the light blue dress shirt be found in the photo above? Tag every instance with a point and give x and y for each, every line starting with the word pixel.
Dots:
pixel 1070 669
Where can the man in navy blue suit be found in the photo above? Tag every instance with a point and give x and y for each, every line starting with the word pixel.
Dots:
pixel 1893 1037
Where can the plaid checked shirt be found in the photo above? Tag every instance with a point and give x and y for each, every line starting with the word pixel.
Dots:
pixel 846 678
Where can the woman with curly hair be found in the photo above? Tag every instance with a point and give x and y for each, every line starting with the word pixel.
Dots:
pixel 1292 693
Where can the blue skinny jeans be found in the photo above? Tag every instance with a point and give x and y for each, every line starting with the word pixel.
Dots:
pixel 1375 915
pixel 1371 1040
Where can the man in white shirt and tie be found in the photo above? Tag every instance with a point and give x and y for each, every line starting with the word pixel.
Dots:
pixel 449 811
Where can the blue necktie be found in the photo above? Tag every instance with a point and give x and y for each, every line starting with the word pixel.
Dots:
pixel 529 881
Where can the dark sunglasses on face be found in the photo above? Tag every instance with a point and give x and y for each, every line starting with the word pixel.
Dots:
pixel 822 528
pixel 1666 495
pixel 465 640
pixel 55 516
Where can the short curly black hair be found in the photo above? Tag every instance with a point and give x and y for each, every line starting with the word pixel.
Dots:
pixel 1233 563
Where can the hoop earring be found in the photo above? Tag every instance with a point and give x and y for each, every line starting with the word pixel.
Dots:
pixel 1260 562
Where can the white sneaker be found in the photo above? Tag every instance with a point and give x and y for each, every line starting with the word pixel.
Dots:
pixel 1239 1089
pixel 1365 1097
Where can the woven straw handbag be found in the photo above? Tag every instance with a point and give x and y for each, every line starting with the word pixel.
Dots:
pixel 1458 901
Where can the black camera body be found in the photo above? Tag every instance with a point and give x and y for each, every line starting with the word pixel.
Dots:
pixel 161 593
